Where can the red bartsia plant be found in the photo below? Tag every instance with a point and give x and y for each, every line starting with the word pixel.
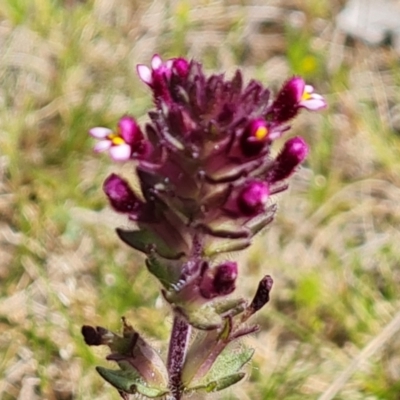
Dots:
pixel 206 176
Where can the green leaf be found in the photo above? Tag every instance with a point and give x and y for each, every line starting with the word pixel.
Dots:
pixel 225 371
pixel 130 382
pixel 211 359
pixel 229 362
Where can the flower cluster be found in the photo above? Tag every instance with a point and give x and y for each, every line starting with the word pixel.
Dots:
pixel 206 177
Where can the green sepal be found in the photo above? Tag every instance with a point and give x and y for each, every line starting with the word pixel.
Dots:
pixel 204 318
pixel 232 307
pixel 227 173
pixel 225 230
pixel 260 223
pixel 227 381
pixel 143 240
pixel 209 316
pixel 218 246
pixel 219 384
pixel 129 381
pixel 172 140
pixel 166 271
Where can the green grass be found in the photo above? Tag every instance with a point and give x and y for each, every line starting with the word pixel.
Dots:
pixel 333 251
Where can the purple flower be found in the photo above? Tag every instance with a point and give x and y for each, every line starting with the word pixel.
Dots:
pixel 295 94
pixel 160 73
pixel 162 70
pixel 254 138
pixel 158 70
pixel 121 144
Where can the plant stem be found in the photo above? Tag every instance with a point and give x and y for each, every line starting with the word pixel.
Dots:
pixel 176 356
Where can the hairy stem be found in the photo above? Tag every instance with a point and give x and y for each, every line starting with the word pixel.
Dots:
pixel 176 356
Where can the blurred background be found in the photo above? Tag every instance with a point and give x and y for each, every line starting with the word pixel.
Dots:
pixel 68 65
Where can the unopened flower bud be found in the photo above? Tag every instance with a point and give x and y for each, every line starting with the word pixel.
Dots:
pixel 96 336
pixel 253 198
pixel 121 196
pixel 220 281
pixel 225 277
pixel 181 67
pixel 294 152
pixel 262 295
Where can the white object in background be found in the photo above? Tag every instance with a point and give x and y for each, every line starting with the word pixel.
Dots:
pixel 372 21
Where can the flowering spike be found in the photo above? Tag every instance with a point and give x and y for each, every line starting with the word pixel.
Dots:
pixel 206 174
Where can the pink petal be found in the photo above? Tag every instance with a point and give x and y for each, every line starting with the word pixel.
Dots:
pixel 156 61
pixel 169 63
pixel 308 89
pixel 121 153
pixel 103 145
pixel 100 132
pixel 316 103
pixel 145 73
pixel 274 134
